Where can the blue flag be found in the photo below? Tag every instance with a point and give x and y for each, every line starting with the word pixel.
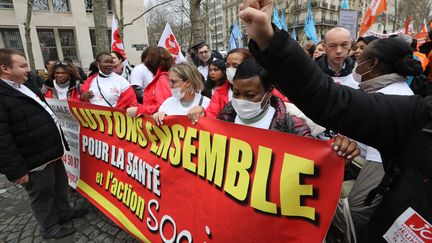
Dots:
pixel 283 21
pixel 344 4
pixel 235 37
pixel 276 19
pixel 309 27
pixel 294 34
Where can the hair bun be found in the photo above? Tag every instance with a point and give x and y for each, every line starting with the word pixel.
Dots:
pixel 408 66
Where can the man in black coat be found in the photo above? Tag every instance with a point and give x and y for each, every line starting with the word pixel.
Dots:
pixel 31 146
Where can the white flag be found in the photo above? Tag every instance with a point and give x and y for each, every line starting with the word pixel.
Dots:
pixel 169 42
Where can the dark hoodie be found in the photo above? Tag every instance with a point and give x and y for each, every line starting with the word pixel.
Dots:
pixel 347 70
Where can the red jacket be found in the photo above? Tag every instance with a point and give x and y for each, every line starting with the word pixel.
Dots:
pixel 220 99
pixel 126 99
pixel 155 94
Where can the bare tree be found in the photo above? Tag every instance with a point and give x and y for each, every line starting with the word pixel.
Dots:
pixel 177 15
pixel 27 35
pixel 101 27
pixel 194 6
pixel 419 9
pixel 120 15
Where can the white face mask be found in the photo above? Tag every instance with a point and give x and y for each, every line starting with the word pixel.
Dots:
pixel 230 72
pixel 176 93
pixel 247 109
pixel 356 76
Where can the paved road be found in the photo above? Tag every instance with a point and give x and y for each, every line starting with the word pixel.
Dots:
pixel 17 223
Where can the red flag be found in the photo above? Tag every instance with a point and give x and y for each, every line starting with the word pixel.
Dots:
pixel 376 8
pixel 407 24
pixel 116 42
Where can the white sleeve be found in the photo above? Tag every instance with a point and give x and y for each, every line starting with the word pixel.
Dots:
pixel 136 76
pixel 141 76
pixel 164 107
pixel 124 84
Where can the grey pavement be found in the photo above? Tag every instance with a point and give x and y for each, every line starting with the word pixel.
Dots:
pixel 17 223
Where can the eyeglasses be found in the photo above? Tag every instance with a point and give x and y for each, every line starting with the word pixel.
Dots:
pixel 61 64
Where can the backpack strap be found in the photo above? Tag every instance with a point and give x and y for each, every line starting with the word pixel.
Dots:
pixel 100 91
pixel 201 100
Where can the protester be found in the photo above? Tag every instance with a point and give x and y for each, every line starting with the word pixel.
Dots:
pixel 375 76
pixel 93 69
pixel 47 66
pixel 63 82
pixel 217 77
pixel 120 67
pixel 32 144
pixel 319 51
pixel 81 72
pixel 141 77
pixel 158 61
pixel 205 56
pixel 108 88
pixel 309 48
pixel 336 62
pixel 253 103
pixel 398 126
pixel 185 84
pixel 426 48
pixel 361 44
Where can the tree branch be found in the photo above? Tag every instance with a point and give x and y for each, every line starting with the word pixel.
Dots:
pixel 148 10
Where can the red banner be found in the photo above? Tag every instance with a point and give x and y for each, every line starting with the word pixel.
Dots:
pixel 212 182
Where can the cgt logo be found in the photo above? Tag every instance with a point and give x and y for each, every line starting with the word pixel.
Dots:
pixel 420 227
pixel 171 45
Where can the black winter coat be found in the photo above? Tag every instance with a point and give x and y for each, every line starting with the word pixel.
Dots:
pixel 28 134
pixel 398 126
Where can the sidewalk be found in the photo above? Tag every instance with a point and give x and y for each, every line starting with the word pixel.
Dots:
pixel 17 223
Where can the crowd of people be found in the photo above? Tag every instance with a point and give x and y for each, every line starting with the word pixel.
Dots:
pixel 369 95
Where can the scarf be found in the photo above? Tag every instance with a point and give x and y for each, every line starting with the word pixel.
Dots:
pixel 372 85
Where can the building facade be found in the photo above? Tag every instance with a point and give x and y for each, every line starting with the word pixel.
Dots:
pixel 65 28
pixel 216 25
pixel 326 14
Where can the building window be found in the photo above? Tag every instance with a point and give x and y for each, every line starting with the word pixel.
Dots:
pixel 6 4
pixel 89 6
pixel 67 42
pixel 40 5
pixel 47 43
pixel 61 5
pixel 12 39
pixel 93 39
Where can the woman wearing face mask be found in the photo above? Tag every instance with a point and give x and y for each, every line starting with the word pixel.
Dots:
pixel 185 84
pixel 381 68
pixel 119 67
pixel 223 94
pixel 63 82
pixel 108 88
pixel 384 66
pixel 253 103
pixel 217 77
pixel 158 60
